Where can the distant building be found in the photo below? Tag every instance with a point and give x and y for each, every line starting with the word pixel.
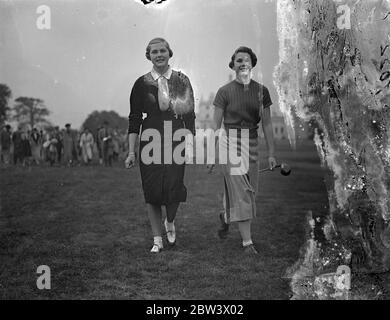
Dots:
pixel 205 113
pixel 279 127
pixel 302 130
pixel 205 119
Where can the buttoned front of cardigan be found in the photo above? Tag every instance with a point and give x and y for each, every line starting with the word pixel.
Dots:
pixel 162 182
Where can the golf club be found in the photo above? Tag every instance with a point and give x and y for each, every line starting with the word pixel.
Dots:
pixel 285 169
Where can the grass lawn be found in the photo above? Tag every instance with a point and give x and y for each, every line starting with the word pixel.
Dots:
pixel 89 225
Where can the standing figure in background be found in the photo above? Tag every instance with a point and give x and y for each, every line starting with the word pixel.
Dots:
pixel 50 147
pixel 69 144
pixel 26 149
pixel 106 144
pixel 108 150
pixel 59 144
pixel 17 142
pixel 52 150
pixel 5 141
pixel 86 144
pixel 116 146
pixel 99 146
pixel 36 145
pixel 79 151
pixel 42 141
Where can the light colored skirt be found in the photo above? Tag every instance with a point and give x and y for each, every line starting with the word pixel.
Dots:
pixel 86 151
pixel 36 151
pixel 240 180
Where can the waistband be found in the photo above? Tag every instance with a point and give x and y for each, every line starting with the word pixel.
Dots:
pixel 253 133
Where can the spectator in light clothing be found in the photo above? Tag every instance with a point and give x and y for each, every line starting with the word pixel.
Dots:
pixel 36 145
pixel 86 144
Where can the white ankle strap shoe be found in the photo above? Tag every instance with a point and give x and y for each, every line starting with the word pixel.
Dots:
pixel 156 248
pixel 171 234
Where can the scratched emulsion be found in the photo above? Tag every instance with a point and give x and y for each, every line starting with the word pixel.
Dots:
pixel 340 78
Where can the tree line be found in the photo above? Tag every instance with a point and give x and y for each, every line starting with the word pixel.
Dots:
pixel 32 112
pixel 25 111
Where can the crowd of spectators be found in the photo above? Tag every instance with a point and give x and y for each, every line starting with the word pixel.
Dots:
pixel 61 147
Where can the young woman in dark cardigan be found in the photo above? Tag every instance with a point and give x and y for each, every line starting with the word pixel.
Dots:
pixel 166 97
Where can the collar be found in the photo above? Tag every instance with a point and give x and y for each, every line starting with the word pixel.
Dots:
pixel 166 75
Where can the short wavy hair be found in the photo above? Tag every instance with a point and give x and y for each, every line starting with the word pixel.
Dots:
pixel 245 50
pixel 158 40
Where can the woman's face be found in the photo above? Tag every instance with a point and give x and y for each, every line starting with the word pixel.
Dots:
pixel 159 55
pixel 242 63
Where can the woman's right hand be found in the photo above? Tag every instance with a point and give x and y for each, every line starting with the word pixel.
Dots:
pixel 130 161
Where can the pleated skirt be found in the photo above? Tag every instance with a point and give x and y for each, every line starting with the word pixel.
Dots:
pixel 240 177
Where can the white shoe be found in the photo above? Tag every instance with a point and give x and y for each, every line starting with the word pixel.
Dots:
pixel 156 248
pixel 171 234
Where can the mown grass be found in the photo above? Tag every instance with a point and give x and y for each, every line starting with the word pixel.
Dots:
pixel 89 225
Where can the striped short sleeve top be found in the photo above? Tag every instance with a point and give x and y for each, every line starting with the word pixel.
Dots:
pixel 242 106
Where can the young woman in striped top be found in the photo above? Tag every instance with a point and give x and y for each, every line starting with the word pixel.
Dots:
pixel 242 104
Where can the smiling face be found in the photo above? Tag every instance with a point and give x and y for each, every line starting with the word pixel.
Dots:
pixel 159 55
pixel 242 63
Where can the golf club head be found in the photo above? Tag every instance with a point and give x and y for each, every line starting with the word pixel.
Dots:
pixel 285 169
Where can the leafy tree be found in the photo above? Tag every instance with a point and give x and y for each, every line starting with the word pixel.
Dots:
pixel 5 95
pixel 30 111
pixel 95 120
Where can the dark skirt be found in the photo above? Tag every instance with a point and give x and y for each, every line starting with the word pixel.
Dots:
pixel 26 148
pixel 162 182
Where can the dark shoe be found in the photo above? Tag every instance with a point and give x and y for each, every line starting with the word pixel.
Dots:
pixel 250 250
pixel 224 230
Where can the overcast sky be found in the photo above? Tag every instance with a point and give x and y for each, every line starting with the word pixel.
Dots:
pixel 95 49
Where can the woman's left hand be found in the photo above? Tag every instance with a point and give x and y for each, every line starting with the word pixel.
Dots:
pixel 272 162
